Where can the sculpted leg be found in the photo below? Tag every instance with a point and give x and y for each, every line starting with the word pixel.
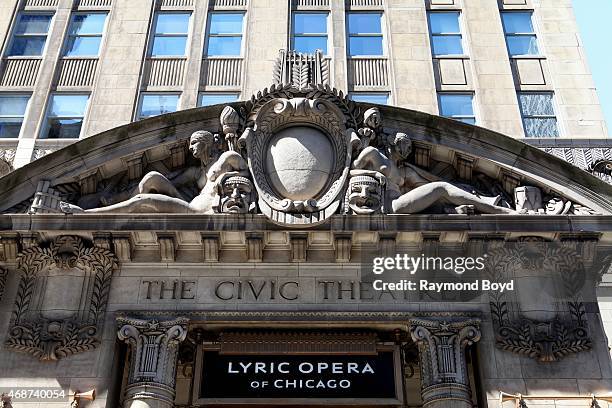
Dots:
pixel 156 183
pixel 424 196
pixel 142 203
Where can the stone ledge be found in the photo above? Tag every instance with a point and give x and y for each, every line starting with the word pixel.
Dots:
pixel 253 223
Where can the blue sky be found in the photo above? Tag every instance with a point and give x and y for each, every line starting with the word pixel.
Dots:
pixel 594 19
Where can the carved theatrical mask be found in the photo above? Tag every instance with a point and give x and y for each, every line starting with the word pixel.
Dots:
pixel 236 195
pixel 528 199
pixel 365 194
pixel 61 299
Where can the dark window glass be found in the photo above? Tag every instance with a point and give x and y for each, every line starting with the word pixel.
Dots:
pixel 157 104
pixel 30 35
pixel 12 111
pixel 65 116
pixel 538 114
pixel 85 34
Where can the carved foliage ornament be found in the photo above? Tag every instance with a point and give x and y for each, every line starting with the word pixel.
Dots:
pixel 543 336
pixel 155 347
pixel 3 276
pixel 441 347
pixel 61 298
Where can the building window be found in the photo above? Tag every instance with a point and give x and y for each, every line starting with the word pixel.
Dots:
pixel 538 113
pixel 154 104
pixel 365 34
pixel 458 106
pixel 380 98
pixel 225 34
pixel 30 35
pixel 85 35
pixel 520 35
pixel 12 111
pixel 171 32
pixel 445 33
pixel 310 32
pixel 214 98
pixel 65 116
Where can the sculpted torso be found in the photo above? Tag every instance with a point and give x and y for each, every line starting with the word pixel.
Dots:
pixel 157 194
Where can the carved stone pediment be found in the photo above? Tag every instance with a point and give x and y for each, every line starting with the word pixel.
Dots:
pixel 61 298
pixel 299 154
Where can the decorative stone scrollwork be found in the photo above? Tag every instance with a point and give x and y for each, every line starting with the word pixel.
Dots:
pixel 298 170
pixel 50 322
pixel 154 349
pixel 441 345
pixel 522 325
pixel 3 276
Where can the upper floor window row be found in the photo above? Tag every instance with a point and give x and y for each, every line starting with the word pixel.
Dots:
pixel 83 39
pixel 171 32
pixel 30 35
pixel 365 36
pixel 446 38
pixel 309 32
pixel 521 38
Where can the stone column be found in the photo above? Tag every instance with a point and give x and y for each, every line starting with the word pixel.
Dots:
pixel 154 348
pixel 441 344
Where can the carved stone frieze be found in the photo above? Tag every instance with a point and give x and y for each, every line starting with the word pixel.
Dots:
pixel 48 322
pixel 522 323
pixel 154 347
pixel 441 344
pixel 299 153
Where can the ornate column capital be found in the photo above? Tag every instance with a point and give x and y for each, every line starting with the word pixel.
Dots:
pixel 154 350
pixel 441 344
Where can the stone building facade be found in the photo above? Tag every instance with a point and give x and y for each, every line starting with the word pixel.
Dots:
pixel 230 255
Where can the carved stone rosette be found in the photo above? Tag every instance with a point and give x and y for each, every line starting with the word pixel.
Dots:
pixel 154 347
pixel 61 298
pixel 441 344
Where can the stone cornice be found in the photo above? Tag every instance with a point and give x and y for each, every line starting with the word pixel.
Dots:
pixel 480 224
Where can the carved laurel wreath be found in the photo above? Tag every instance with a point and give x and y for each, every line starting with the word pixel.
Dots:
pixel 29 333
pixel 565 334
